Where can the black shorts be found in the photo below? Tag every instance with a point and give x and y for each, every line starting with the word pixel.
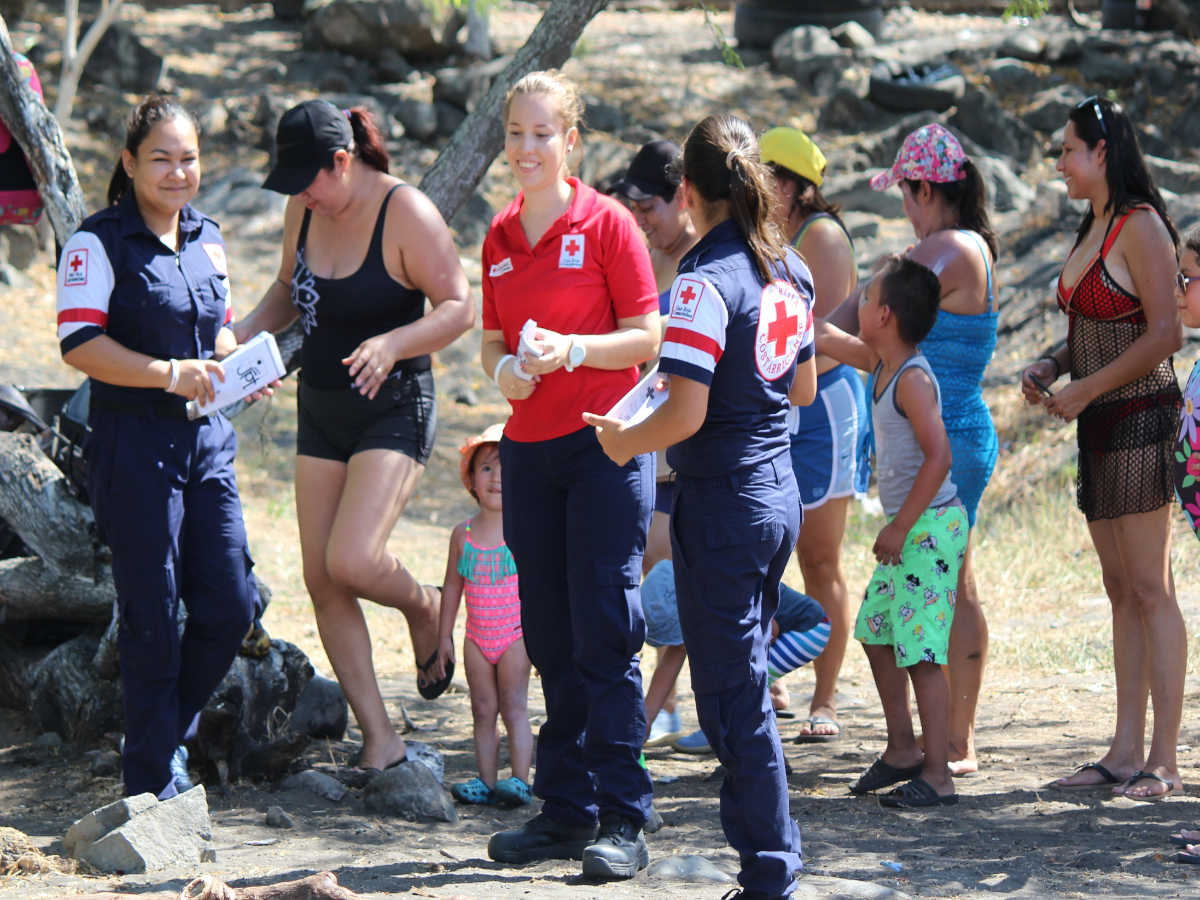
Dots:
pixel 336 423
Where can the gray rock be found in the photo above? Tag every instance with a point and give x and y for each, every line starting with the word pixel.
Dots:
pixel 472 220
pixel 410 791
pixel 1011 76
pixel 599 115
pixel 1186 128
pixel 1107 68
pixel 803 41
pixel 277 818
pixel 823 887
pixel 847 110
pixel 448 118
pixel 324 786
pixel 1006 189
pixel 1023 45
pixel 852 36
pixel 809 55
pixel 1063 47
pixel 20 246
pixel 853 191
pixel 48 740
pixel 321 710
pixel 1049 109
pixel 981 117
pixel 288 10
pixel 391 66
pixel 1180 177
pixel 100 822
pixel 68 696
pixel 120 60
pixel 689 868
pixel 106 762
pixel 463 87
pixel 420 119
pixel 416 29
pixel 429 757
pixel 175 832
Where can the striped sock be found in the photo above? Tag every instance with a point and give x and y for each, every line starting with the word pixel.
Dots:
pixel 792 649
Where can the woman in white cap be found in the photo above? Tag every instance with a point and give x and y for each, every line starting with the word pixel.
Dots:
pixel 362 251
pixel 829 437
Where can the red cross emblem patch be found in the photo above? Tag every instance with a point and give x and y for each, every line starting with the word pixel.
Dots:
pixel 782 322
pixel 570 254
pixel 686 299
pixel 76 272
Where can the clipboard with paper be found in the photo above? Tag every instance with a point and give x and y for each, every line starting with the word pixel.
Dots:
pixel 642 399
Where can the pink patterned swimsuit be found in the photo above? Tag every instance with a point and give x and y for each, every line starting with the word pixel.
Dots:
pixel 493 599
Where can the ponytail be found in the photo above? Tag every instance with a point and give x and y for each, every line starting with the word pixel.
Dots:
pixel 721 161
pixel 368 142
pixel 142 119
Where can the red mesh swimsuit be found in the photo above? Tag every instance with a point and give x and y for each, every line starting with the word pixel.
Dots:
pixel 1126 436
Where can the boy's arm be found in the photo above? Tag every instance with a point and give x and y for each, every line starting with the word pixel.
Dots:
pixel 670 662
pixel 916 397
pixel 846 348
pixel 452 587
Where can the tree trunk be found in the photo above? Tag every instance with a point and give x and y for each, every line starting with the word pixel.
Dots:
pixel 459 167
pixel 29 589
pixel 315 887
pixel 37 131
pixel 36 504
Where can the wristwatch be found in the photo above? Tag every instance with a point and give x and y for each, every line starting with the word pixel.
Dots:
pixel 575 354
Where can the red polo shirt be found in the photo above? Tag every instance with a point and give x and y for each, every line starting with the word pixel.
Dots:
pixel 588 270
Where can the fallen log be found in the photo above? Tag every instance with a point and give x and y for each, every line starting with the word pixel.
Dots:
pixel 38 506
pixel 30 589
pixel 315 887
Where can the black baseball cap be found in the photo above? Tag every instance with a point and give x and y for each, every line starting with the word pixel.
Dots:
pixel 305 141
pixel 648 175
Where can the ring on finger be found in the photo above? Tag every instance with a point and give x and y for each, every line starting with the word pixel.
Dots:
pixel 379 370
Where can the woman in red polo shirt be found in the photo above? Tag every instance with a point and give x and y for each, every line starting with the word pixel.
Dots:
pixel 574 262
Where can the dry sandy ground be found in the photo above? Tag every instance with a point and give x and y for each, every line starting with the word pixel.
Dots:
pixel 1047 706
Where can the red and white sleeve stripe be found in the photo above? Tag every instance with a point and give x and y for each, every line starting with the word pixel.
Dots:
pixel 695 336
pixel 85 283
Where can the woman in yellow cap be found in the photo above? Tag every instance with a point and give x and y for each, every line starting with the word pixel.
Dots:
pixel 829 437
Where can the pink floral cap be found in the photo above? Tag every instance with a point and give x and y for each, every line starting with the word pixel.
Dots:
pixel 931 153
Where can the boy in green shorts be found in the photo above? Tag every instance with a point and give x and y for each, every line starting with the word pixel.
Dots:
pixel 904 622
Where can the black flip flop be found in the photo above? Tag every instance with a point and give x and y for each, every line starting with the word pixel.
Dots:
pixel 916 794
pixel 881 775
pixel 1179 840
pixel 1109 778
pixel 1191 859
pixel 433 689
pixel 1143 775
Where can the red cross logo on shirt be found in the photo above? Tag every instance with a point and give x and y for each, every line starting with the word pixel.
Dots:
pixel 572 248
pixel 782 328
pixel 688 295
pixel 75 263
pixel 571 251
pixel 76 272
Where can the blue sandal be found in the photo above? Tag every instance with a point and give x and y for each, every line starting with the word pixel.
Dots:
pixel 473 791
pixel 512 791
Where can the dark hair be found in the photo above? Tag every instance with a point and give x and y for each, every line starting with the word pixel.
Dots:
pixel 913 293
pixel 1129 181
pixel 368 142
pixel 1191 241
pixel 721 161
pixel 804 203
pixel 142 119
pixel 968 198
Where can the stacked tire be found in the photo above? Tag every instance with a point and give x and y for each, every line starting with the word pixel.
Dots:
pixel 756 23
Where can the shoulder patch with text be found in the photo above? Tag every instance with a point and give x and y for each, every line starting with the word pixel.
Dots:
pixel 783 320
pixel 501 268
pixel 76 269
pixel 686 298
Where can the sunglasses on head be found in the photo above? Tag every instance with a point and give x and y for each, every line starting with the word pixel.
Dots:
pixel 1094 102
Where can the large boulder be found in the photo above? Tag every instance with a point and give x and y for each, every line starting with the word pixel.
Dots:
pixel 68 696
pixel 411 791
pixel 147 836
pixel 417 29
pixel 982 118
pixel 120 60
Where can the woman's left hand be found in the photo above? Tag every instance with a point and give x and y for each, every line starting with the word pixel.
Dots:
pixel 371 363
pixel 609 432
pixel 554 352
pixel 1069 401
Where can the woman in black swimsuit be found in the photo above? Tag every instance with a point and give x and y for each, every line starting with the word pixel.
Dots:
pixel 362 251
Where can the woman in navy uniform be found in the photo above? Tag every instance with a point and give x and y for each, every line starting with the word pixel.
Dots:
pixel 741 321
pixel 143 309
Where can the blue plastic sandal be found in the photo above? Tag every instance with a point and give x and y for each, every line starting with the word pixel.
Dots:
pixel 512 791
pixel 473 791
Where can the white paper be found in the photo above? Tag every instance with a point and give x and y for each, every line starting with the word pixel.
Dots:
pixel 642 399
pixel 249 368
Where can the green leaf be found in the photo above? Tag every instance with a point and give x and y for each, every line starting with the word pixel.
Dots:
pixel 1027 9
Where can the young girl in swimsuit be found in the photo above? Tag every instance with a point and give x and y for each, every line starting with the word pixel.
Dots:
pixel 480 568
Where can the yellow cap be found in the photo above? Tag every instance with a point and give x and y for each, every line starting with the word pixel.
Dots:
pixel 793 149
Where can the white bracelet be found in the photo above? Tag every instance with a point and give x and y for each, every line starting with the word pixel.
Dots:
pixel 496 371
pixel 174 364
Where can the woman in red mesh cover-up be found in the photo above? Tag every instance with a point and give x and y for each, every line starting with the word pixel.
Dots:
pixel 1117 289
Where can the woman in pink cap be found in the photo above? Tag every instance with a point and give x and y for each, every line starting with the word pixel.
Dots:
pixel 946 203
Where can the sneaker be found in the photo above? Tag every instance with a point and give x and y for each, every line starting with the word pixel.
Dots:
pixel 541 838
pixel 619 851
pixel 665 728
pixel 179 770
pixel 695 742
